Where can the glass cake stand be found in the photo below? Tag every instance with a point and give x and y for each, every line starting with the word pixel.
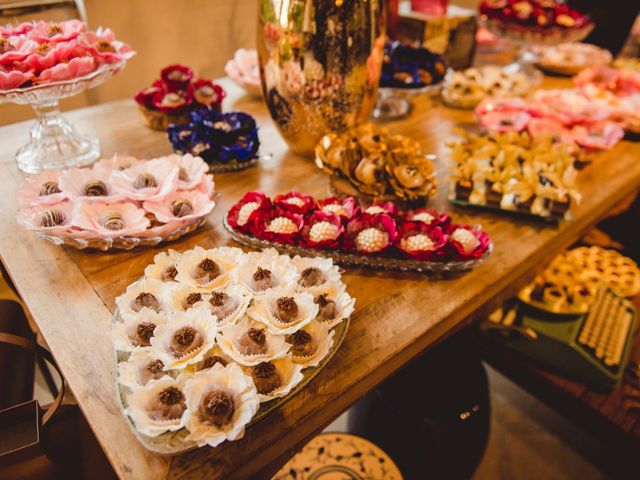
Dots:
pixel 395 103
pixel 526 37
pixel 53 142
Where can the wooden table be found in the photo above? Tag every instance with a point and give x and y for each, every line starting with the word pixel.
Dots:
pixel 71 293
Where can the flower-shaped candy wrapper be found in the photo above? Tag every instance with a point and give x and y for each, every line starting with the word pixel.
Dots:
pixel 140 368
pixel 207 269
pixel 185 338
pixel 159 406
pixel 221 402
pixel 229 304
pixel 370 233
pixel 56 219
pixel 428 216
pixel 182 205
pixel 191 170
pixel 244 70
pixel 87 184
pixel 284 310
pixel 421 241
pixel 468 242
pixel 105 166
pixel 294 202
pixel 245 212
pixel 379 208
pixel 261 272
pixel 275 379
pixel 147 181
pixel 278 226
pixel 164 266
pixel 146 295
pixel 211 358
pixel 346 208
pixel 184 297
pixel 334 304
pixel 322 230
pixel 311 344
pixel 250 343
pixel 176 78
pixel 207 93
pixel 136 330
pixel 110 220
pixel 41 189
pixel 316 272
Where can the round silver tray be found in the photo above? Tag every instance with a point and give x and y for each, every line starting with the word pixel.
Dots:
pixel 358 260
pixel 123 243
pixel 173 443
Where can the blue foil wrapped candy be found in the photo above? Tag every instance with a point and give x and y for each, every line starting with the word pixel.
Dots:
pixel 219 138
pixel 405 66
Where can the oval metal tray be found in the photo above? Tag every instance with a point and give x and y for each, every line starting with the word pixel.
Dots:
pixel 358 260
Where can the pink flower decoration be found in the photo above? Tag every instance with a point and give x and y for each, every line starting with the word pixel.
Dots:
pixel 171 101
pixel 294 202
pixel 46 57
pixel 161 230
pixel 370 234
pixel 467 242
pixel 600 136
pixel 19 29
pixel 41 189
pixel 106 166
pixel 105 48
pixel 176 77
pixel 110 220
pixel 149 96
pixel 190 170
pixel 13 79
pixel 322 230
pixel 207 186
pixel 421 242
pixel 243 214
pixel 55 219
pixel 278 226
pixel 550 126
pixel 180 206
pixel 505 121
pixel 207 93
pixel 15 50
pixel 75 68
pixel 150 180
pixel 89 185
pixel 428 216
pixel 345 208
pixel 57 31
pixel 244 70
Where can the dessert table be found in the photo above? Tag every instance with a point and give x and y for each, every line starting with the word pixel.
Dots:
pixel 398 315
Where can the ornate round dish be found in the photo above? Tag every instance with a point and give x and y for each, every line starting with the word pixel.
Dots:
pixel 174 443
pixel 124 243
pixel 536 35
pixel 233 166
pixel 359 260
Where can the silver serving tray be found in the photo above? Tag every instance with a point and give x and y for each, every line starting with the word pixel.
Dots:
pixel 174 443
pixel 358 260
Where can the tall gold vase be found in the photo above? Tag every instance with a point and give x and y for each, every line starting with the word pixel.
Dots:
pixel 320 63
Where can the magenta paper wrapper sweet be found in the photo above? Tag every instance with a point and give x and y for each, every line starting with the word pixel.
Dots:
pixel 457 248
pixel 255 204
pixel 278 226
pixel 122 197
pixel 321 218
pixel 294 202
pixel 45 52
pixel 346 228
pixel 435 234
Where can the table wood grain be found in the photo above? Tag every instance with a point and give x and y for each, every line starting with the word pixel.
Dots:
pixel 71 293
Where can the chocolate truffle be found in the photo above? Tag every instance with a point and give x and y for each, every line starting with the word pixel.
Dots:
pixel 327 310
pixel 266 377
pixel 207 270
pixel 153 370
pixel 302 343
pixel 181 207
pixel 252 342
pixel 95 188
pixel 286 309
pixel 222 305
pixel 145 299
pixel 191 300
pixel 263 279
pixel 185 340
pixel 49 188
pixel 311 277
pixel 112 221
pixel 145 180
pixel 217 408
pixel 144 332
pixel 211 361
pixel 168 405
pixel 169 274
pixel 52 217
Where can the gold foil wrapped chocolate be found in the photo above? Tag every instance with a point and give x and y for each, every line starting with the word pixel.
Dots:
pixel 378 164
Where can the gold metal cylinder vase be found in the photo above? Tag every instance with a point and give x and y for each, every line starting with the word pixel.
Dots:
pixel 320 63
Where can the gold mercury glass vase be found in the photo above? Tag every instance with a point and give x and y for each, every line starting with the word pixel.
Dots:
pixel 320 63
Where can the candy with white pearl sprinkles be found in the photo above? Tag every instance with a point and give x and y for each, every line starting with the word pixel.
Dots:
pixel 118 203
pixel 379 235
pixel 197 363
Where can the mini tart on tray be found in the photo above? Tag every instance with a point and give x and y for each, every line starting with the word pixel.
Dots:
pixel 159 406
pixel 222 400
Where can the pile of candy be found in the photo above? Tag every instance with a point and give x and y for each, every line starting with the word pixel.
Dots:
pixel 535 13
pixel 409 67
pixel 176 93
pixel 341 224
pixel 45 52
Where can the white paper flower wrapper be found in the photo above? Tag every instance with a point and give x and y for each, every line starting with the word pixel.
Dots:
pixel 290 375
pixel 322 338
pixel 232 380
pixel 264 310
pixel 161 263
pixel 200 320
pixel 216 351
pixel 330 271
pixel 345 304
pixel 239 294
pixel 187 268
pixel 123 333
pixel 178 293
pixel 130 371
pixel 281 267
pixel 228 341
pixel 125 302
pixel 138 402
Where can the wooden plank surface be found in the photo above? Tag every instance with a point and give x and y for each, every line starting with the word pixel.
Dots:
pixel 398 316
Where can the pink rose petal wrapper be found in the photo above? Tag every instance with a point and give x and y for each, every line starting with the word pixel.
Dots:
pixel 93 216
pixel 29 193
pixel 202 205
pixel 31 217
pixel 163 171
pixel 437 236
pixel 317 217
